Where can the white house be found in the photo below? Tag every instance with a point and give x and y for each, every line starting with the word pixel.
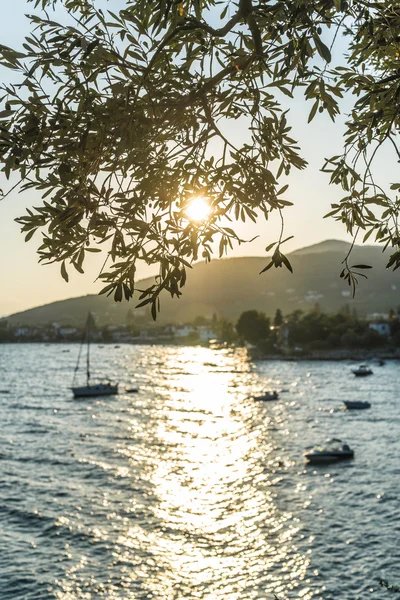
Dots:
pixel 169 330
pixel 185 331
pixel 382 328
pixel 313 296
pixel 67 331
pixel 206 333
pixel 21 331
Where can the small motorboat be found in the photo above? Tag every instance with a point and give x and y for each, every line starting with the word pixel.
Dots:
pixel 268 396
pixel 334 451
pixel 362 371
pixel 131 390
pixel 357 404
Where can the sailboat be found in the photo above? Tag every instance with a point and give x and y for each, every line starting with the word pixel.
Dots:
pixel 90 389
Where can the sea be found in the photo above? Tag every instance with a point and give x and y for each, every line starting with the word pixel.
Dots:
pixel 190 489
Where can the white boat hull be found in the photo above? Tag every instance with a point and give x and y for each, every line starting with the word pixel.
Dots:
pixel 101 389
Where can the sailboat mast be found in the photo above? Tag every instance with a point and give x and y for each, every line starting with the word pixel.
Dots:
pixel 88 348
pixel 79 358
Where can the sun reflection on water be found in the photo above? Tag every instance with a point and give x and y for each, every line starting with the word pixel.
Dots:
pixel 190 489
pixel 221 531
pixel 207 515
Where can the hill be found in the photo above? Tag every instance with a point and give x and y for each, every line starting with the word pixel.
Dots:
pixel 326 246
pixel 227 287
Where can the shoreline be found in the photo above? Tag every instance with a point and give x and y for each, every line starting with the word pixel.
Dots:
pixel 356 355
pixel 334 356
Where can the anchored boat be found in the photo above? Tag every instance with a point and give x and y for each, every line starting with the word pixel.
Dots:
pixel 356 404
pixel 334 451
pixel 90 389
pixel 268 396
pixel 362 371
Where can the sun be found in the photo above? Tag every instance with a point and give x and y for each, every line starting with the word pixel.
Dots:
pixel 198 209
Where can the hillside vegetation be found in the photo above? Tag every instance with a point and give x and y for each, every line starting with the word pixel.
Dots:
pixel 228 287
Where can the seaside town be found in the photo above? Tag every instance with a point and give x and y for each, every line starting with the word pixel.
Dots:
pixel 297 333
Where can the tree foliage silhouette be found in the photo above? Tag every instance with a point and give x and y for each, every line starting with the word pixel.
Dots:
pixel 120 119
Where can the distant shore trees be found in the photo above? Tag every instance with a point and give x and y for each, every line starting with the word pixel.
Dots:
pixel 329 331
pixel 118 122
pixel 253 327
pixel 278 319
pixel 225 331
pixel 314 330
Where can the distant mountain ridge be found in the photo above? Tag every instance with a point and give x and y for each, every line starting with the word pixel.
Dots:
pixel 229 286
pixel 325 246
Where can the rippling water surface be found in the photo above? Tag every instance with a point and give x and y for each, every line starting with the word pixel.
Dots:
pixel 190 489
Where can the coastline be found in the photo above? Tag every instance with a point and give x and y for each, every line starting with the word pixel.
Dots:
pixel 346 354
pixel 356 355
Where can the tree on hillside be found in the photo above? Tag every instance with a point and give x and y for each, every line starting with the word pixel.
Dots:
pixel 278 319
pixel 225 331
pixel 120 121
pixel 92 321
pixel 200 320
pixel 296 316
pixel 131 322
pixel 253 326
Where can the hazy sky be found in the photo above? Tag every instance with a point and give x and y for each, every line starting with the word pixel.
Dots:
pixel 25 284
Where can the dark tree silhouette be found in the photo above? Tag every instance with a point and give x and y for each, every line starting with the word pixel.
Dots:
pixel 253 326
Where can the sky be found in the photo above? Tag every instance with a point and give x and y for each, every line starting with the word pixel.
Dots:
pixel 24 283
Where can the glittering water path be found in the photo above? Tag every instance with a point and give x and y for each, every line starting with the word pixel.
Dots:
pixel 190 489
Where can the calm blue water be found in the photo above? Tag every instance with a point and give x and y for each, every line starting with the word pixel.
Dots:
pixel 190 489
